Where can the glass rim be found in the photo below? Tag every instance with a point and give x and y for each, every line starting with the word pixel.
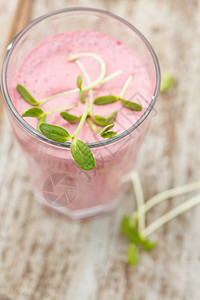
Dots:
pixel 33 131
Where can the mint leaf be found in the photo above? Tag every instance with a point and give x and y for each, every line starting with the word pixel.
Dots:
pixel 26 95
pixel 105 100
pixel 167 81
pixel 55 133
pixel 69 117
pixel 132 255
pixel 34 112
pixel 131 105
pixel 109 134
pixel 40 121
pixel 82 155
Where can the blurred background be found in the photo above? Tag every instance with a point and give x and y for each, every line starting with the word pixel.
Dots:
pixel 45 256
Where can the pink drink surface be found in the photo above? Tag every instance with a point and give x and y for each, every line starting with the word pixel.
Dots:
pixel 46 71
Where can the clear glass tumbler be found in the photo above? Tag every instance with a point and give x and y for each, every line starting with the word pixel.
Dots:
pixel 57 181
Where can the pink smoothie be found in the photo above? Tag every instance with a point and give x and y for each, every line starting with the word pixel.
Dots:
pixel 46 71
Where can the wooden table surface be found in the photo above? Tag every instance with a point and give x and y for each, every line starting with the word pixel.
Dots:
pixel 45 256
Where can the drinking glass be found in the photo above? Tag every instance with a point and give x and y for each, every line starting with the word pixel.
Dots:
pixel 57 181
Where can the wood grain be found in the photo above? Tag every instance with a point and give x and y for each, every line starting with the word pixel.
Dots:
pixel 45 256
pixel 17 14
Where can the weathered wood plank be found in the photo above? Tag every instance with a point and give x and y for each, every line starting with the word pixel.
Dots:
pixel 8 13
pixel 14 16
pixel 45 256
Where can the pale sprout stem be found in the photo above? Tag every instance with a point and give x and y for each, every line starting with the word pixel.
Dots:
pixel 93 126
pixel 59 109
pixel 139 200
pixel 100 80
pixel 170 194
pixel 123 91
pixel 146 206
pixel 127 177
pixel 107 78
pixel 79 64
pixel 103 68
pixel 41 102
pixel 88 82
pixel 82 120
pixel 111 76
pixel 171 215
